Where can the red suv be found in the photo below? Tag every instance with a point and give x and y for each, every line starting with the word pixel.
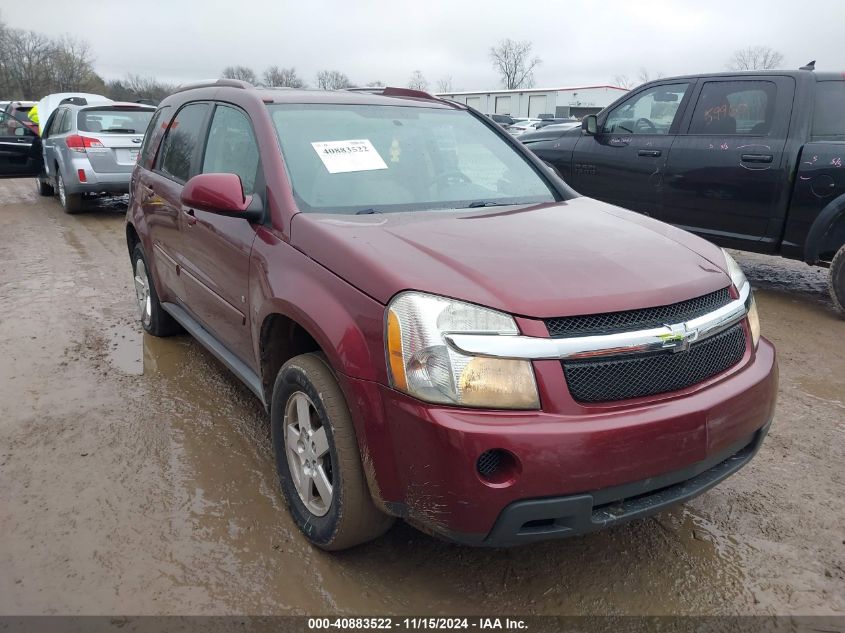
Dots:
pixel 441 329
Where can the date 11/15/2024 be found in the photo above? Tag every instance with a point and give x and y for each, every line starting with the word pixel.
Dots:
pixel 421 623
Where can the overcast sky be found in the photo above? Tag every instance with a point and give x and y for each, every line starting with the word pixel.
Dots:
pixel 579 42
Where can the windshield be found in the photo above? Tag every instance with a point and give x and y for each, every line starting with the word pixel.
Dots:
pixel 371 159
pixel 115 120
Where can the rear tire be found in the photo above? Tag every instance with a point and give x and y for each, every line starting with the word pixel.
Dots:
pixel 314 441
pixel 72 202
pixel 836 281
pixel 44 188
pixel 153 318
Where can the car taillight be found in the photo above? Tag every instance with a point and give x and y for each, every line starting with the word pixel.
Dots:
pixel 78 143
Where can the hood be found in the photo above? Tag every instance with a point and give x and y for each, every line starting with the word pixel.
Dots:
pixel 580 256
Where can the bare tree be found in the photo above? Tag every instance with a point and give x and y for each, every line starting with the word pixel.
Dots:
pixel 71 66
pixel 276 77
pixel 755 58
pixel 418 81
pixel 644 75
pixel 445 84
pixel 27 54
pixel 623 81
pixel 239 72
pixel 332 80
pixel 375 84
pixel 514 63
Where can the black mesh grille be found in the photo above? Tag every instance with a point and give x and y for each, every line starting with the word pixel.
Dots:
pixel 488 462
pixel 630 320
pixel 625 377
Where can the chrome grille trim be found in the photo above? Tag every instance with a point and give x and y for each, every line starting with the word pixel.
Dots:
pixel 672 336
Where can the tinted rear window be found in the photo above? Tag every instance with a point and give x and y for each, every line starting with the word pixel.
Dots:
pixel 829 116
pixel 115 120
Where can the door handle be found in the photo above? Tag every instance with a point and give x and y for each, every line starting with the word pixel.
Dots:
pixel 757 158
pixel 190 217
pixel 651 153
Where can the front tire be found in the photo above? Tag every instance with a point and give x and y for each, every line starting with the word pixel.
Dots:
pixel 71 202
pixel 317 457
pixel 836 280
pixel 153 318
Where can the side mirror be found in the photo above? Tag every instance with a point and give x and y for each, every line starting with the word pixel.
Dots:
pixel 590 124
pixel 219 193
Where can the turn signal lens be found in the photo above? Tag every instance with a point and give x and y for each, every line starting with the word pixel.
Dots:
pixel 754 322
pixel 394 346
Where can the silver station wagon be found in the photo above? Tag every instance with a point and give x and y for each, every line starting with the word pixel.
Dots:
pixel 91 149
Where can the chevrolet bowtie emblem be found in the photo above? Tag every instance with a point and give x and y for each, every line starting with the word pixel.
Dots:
pixel 680 338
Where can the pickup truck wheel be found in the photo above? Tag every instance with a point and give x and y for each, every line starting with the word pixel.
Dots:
pixel 44 188
pixel 72 202
pixel 153 318
pixel 317 457
pixel 836 280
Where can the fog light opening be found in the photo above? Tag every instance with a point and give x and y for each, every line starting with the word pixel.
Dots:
pixel 498 467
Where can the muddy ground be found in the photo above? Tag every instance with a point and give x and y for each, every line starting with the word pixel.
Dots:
pixel 136 474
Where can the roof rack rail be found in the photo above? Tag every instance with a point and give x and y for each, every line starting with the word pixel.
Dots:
pixel 392 91
pixel 217 83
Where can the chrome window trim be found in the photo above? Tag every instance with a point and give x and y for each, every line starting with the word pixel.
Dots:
pixel 672 336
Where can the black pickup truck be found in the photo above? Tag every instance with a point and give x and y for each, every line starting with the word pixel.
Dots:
pixel 751 160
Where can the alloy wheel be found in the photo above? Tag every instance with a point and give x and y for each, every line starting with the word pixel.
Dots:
pixel 142 292
pixel 308 455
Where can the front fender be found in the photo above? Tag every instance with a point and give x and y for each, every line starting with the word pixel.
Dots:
pixel 347 324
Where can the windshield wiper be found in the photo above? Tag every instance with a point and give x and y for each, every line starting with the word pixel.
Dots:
pixel 488 203
pixel 366 211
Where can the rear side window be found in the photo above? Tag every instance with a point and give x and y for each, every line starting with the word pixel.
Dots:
pixel 64 124
pixel 734 107
pixel 178 149
pixel 152 135
pixel 829 115
pixel 114 120
pixel 231 147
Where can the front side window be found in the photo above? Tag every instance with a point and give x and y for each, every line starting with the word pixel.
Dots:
pixel 231 147
pixel 734 107
pixel 650 112
pixel 373 158
pixel 183 137
pixel 829 115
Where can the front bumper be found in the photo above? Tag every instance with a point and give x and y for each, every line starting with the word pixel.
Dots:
pixel 420 459
pixel 558 517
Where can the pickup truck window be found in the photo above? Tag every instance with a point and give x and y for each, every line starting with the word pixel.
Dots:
pixel 734 107
pixel 375 158
pixel 650 112
pixel 829 115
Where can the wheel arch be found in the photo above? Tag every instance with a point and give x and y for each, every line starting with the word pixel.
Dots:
pixel 827 233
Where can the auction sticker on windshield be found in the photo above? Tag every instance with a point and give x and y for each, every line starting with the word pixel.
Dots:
pixel 344 156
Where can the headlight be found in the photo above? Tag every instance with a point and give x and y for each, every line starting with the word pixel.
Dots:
pixel 754 322
pixel 739 280
pixel 423 365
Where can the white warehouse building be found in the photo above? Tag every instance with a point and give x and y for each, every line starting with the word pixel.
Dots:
pixel 536 102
